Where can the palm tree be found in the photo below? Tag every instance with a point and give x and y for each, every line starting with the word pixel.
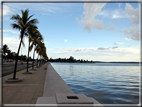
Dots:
pixel 31 34
pixel 42 53
pixel 38 49
pixel 5 49
pixel 37 38
pixel 22 23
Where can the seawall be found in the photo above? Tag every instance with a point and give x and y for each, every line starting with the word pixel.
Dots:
pixel 58 93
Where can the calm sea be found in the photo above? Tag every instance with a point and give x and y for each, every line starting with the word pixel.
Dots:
pixel 108 83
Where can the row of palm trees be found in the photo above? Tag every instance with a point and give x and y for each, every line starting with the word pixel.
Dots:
pixel 28 28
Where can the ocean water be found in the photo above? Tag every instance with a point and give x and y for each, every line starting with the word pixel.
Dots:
pixel 108 83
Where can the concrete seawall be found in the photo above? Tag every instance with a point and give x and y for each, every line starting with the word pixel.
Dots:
pixel 55 84
pixel 58 93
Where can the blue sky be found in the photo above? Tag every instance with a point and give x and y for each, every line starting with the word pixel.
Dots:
pixel 99 32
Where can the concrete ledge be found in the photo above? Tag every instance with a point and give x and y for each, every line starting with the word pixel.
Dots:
pixel 55 84
pixel 46 100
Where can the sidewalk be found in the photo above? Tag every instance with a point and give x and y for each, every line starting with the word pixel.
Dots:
pixel 27 91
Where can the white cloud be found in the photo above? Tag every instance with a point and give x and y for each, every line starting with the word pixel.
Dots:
pixel 132 33
pixel 133 14
pixel 6 10
pixel 91 11
pixel 118 43
pixel 129 12
pixel 44 8
pixel 127 38
pixel 118 14
pixel 66 40
pixel 98 49
pixel 114 14
pixel 102 48
pixel 11 31
pixel 13 44
pixel 99 53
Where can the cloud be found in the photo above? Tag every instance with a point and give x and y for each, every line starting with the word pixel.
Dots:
pixel 66 40
pixel 114 47
pixel 132 33
pixel 13 43
pixel 89 21
pixel 92 53
pixel 118 13
pixel 133 14
pixel 6 10
pixel 44 8
pixel 129 12
pixel 118 43
pixel 114 14
pixel 102 48
pixel 127 38
pixel 11 31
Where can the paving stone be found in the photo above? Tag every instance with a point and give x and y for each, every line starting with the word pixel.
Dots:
pixel 27 91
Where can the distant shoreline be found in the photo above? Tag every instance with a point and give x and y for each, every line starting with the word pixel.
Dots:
pixel 114 62
pixel 99 62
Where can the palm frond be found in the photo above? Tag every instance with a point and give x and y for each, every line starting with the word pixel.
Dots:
pixel 15 26
pixel 32 22
pixel 21 24
pixel 30 17
pixel 25 15
pixel 15 17
pixel 30 38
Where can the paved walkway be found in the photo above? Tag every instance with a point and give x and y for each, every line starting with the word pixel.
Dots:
pixel 25 92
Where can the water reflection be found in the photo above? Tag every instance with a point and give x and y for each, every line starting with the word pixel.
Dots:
pixel 71 70
pixel 108 84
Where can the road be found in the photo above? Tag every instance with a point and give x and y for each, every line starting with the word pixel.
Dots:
pixel 10 67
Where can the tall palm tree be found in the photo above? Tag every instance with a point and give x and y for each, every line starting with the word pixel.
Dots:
pixel 43 52
pixel 22 23
pixel 38 49
pixel 31 34
pixel 37 38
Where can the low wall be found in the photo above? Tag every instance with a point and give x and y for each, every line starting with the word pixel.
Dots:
pixel 54 83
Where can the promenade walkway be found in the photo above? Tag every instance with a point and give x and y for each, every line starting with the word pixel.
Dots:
pixel 44 86
pixel 25 92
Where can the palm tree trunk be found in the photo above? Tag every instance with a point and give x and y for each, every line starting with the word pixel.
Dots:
pixel 33 59
pixel 37 60
pixel 40 60
pixel 14 74
pixel 28 57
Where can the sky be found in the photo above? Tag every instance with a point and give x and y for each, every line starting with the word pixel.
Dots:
pixel 89 31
